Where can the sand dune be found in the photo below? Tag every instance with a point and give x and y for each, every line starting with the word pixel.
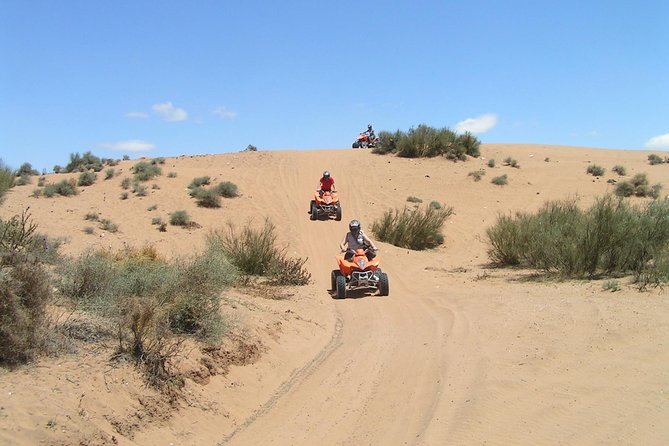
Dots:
pixel 457 354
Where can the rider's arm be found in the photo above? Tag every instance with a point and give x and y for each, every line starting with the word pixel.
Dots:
pixel 342 245
pixel 370 242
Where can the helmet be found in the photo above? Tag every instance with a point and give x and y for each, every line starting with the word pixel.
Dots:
pixel 326 174
pixel 354 226
pixel 369 126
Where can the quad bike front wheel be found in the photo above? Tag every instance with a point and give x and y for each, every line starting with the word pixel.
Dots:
pixel 314 211
pixel 355 145
pixel 333 279
pixel 340 287
pixel 384 286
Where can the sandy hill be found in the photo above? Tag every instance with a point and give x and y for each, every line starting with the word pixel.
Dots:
pixel 458 353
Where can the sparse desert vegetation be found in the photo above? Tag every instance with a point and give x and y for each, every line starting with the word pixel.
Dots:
pixel 426 141
pixel 412 228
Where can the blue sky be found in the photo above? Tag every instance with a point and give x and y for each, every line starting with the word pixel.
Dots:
pixel 166 78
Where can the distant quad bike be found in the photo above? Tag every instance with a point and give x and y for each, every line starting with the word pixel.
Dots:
pixel 363 141
pixel 325 206
pixel 359 273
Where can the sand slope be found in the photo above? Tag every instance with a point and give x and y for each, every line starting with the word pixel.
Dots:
pixel 458 353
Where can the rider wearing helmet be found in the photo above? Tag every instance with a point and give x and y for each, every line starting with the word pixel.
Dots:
pixel 326 183
pixel 370 133
pixel 356 239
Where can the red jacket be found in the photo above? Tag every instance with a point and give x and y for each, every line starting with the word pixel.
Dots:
pixel 327 183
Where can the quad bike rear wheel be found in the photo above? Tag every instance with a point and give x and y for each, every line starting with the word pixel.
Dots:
pixel 338 213
pixel 341 287
pixel 355 145
pixel 384 286
pixel 333 279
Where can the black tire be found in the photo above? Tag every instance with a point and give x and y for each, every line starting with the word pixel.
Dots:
pixel 384 286
pixel 338 213
pixel 333 279
pixel 314 211
pixel 355 145
pixel 341 287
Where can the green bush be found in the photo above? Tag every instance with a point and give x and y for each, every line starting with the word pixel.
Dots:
pixel 508 161
pixel 109 173
pixel 611 237
pixel 172 175
pixel 23 180
pixel 412 228
pixel 125 183
pixel 654 159
pixel 83 163
pixel 412 199
pixel 124 195
pixel 501 180
pixel 620 170
pixel 179 218
pixel 477 174
pixel 227 189
pixel 139 190
pixel 26 169
pixel 108 225
pixel 64 187
pixel 199 182
pixel 491 162
pixel 87 179
pixel 426 141
pixel 639 187
pixel 207 198
pixel 145 171
pixel 595 170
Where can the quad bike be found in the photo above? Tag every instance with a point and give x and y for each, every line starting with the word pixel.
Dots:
pixel 364 141
pixel 359 273
pixel 325 205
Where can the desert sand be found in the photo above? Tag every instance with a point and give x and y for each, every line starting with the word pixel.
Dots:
pixel 459 353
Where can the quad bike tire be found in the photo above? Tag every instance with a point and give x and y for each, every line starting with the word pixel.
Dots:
pixel 355 145
pixel 338 213
pixel 333 279
pixel 340 291
pixel 384 286
pixel 314 211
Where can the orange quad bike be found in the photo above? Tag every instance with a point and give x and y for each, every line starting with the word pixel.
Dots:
pixel 359 273
pixel 364 141
pixel 325 206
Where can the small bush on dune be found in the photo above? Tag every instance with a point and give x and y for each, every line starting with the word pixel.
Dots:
pixel 477 174
pixel 638 186
pixel 82 163
pixel 199 182
pixel 508 161
pixel 109 173
pixel 145 171
pixel 179 218
pixel 595 170
pixel 654 159
pixel 620 170
pixel 207 198
pixel 227 189
pixel 414 229
pixel 26 169
pixel 64 187
pixel 491 163
pixel 412 199
pixel 87 179
pixel 501 180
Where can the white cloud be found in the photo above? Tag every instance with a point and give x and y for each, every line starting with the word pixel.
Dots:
pixel 133 145
pixel 169 112
pixel 480 124
pixel 137 115
pixel 659 142
pixel 224 113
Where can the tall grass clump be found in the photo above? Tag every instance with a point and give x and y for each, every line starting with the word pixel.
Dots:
pixel 87 179
pixel 254 252
pixel 199 182
pixel 501 180
pixel 25 290
pixel 207 198
pixel 620 170
pixel 412 228
pixel 611 237
pixel 145 171
pixel 426 141
pixel 179 218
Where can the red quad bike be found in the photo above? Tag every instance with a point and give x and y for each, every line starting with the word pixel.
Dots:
pixel 359 273
pixel 326 205
pixel 363 141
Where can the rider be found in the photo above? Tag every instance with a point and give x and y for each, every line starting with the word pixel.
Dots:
pixel 326 184
pixel 356 239
pixel 370 133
